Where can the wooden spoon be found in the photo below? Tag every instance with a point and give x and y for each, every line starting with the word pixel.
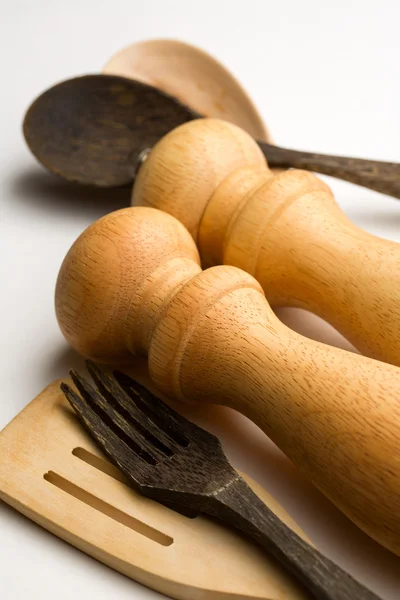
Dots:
pixel 194 77
pixel 94 129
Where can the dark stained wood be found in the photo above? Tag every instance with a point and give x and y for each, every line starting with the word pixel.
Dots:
pixel 376 175
pixel 186 465
pixel 91 129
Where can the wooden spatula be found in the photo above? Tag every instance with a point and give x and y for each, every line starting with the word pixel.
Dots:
pixel 54 474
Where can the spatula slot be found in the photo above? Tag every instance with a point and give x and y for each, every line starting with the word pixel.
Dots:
pixel 107 509
pixel 100 464
pixel 109 469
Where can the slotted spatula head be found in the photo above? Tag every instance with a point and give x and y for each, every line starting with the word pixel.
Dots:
pixel 53 473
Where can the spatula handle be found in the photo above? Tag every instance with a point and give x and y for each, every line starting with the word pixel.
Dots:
pixel 376 175
pixel 239 506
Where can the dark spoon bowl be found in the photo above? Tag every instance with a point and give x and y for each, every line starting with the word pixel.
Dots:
pixel 92 129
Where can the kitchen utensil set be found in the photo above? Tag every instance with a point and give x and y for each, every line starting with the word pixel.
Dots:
pixel 132 285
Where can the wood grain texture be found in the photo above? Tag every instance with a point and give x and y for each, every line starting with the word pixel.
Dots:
pixel 205 561
pixel 132 283
pixel 286 230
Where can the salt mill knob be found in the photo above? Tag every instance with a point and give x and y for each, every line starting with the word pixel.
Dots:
pixel 131 284
pixel 286 230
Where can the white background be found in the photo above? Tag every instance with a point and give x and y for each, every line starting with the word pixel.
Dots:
pixel 325 77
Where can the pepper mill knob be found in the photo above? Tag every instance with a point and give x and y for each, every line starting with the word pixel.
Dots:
pixel 286 230
pixel 105 302
pixel 131 284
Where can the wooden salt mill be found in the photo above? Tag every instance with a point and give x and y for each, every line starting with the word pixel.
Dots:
pixel 132 285
pixel 286 230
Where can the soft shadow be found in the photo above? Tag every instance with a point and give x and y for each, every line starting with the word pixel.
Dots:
pixel 390 220
pixel 68 551
pixel 47 193
pixel 313 327
pixel 64 358
pixel 61 360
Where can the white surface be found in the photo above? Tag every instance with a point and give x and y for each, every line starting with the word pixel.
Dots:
pixel 326 78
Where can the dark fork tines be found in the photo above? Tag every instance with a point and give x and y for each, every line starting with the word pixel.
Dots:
pixel 137 430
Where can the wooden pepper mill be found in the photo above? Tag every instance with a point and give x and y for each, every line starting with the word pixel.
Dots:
pixel 286 230
pixel 131 284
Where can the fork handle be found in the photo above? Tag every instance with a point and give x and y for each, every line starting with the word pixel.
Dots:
pixel 239 506
pixel 376 175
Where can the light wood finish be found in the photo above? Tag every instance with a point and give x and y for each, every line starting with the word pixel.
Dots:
pixel 286 230
pixel 132 283
pixel 205 561
pixel 193 76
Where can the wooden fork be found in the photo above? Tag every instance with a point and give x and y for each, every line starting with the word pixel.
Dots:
pixel 171 460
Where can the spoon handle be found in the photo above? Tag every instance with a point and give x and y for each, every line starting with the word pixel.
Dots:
pixel 380 176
